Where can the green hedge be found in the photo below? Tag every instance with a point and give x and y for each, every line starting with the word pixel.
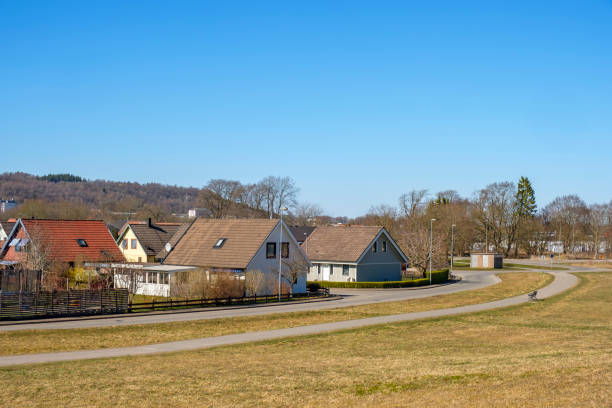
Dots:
pixel 436 277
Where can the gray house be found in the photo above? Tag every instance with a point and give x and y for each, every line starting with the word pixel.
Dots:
pixel 242 245
pixel 353 253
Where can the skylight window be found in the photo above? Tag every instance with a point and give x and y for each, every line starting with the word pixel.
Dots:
pixel 82 243
pixel 219 242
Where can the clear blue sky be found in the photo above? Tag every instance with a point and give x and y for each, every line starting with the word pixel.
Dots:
pixel 357 101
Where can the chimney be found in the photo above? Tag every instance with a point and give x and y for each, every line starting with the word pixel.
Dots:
pixel 150 224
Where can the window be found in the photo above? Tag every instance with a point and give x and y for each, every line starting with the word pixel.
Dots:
pixel 20 245
pixel 124 244
pixel 345 270
pixel 384 246
pixel 374 247
pixel 139 259
pixel 163 278
pixel 219 243
pixel 318 269
pixel 271 250
pixel 82 243
pixel 285 249
pixel 331 269
pixel 134 245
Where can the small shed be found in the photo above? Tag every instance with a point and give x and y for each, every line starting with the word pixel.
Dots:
pixel 486 260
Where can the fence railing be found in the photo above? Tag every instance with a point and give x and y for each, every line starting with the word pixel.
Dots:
pixel 228 301
pixel 24 305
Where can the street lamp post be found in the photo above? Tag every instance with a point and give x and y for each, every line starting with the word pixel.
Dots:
pixel 430 245
pixel 280 252
pixel 452 245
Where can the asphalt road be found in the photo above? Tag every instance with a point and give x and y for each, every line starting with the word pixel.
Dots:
pixel 349 297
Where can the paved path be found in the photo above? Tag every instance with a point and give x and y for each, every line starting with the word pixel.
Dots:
pixel 563 281
pixel 350 297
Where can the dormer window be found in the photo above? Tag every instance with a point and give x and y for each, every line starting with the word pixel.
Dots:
pixel 82 243
pixel 219 243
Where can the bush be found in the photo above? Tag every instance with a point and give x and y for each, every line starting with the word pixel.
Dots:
pixel 313 286
pixel 436 277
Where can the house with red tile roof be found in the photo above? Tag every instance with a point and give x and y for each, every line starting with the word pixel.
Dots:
pixel 61 241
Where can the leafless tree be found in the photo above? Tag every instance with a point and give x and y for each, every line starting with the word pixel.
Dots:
pixel 411 203
pixel 306 214
pixel 598 221
pixel 278 192
pixel 292 269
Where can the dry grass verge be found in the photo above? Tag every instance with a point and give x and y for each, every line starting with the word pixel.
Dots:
pixel 43 341
pixel 556 352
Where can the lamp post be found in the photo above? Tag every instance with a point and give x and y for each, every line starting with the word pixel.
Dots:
pixel 452 245
pixel 280 252
pixel 430 245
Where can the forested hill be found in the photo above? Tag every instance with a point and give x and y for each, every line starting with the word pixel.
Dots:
pixel 99 194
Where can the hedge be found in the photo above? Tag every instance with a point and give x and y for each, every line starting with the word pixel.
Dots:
pixel 436 277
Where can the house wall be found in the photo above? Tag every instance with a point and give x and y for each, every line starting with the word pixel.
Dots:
pixel 270 266
pixel 380 266
pixel 336 276
pixel 132 255
pixel 11 254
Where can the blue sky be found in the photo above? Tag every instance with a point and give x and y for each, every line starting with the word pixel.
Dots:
pixel 357 101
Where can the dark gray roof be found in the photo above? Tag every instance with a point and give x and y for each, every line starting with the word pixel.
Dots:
pixel 300 233
pixel 154 237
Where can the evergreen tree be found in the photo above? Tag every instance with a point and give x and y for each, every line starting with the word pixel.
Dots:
pixel 525 209
pixel 525 199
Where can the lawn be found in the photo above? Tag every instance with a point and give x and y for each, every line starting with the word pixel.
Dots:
pixel 41 341
pixel 556 352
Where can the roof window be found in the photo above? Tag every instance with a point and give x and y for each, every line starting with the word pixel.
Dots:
pixel 82 243
pixel 219 243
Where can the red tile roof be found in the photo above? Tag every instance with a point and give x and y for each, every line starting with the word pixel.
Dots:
pixel 60 240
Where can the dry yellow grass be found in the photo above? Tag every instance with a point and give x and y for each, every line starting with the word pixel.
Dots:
pixel 42 341
pixel 556 352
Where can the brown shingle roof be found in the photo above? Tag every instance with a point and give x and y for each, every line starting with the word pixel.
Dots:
pixel 154 237
pixel 243 238
pixel 342 243
pixel 182 229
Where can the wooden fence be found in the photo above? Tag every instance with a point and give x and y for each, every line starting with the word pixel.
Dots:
pixel 209 302
pixel 25 305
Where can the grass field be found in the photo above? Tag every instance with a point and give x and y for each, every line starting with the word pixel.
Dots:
pixel 40 341
pixel 556 352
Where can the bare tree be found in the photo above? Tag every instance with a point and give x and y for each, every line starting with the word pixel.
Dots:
pixel 495 209
pixel 292 270
pixel 598 220
pixel 258 283
pixel 278 192
pixel 306 214
pixel 411 203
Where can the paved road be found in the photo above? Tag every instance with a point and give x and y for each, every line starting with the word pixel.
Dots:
pixel 350 297
pixel 563 281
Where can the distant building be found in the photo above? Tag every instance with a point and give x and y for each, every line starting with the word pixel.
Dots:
pixel 486 260
pixel 6 205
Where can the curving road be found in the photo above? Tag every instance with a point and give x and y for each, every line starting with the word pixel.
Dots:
pixel 563 281
pixel 347 297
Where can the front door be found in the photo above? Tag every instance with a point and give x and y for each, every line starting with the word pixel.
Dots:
pixel 325 272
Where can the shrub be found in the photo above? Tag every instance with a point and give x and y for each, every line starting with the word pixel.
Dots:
pixel 313 286
pixel 436 277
